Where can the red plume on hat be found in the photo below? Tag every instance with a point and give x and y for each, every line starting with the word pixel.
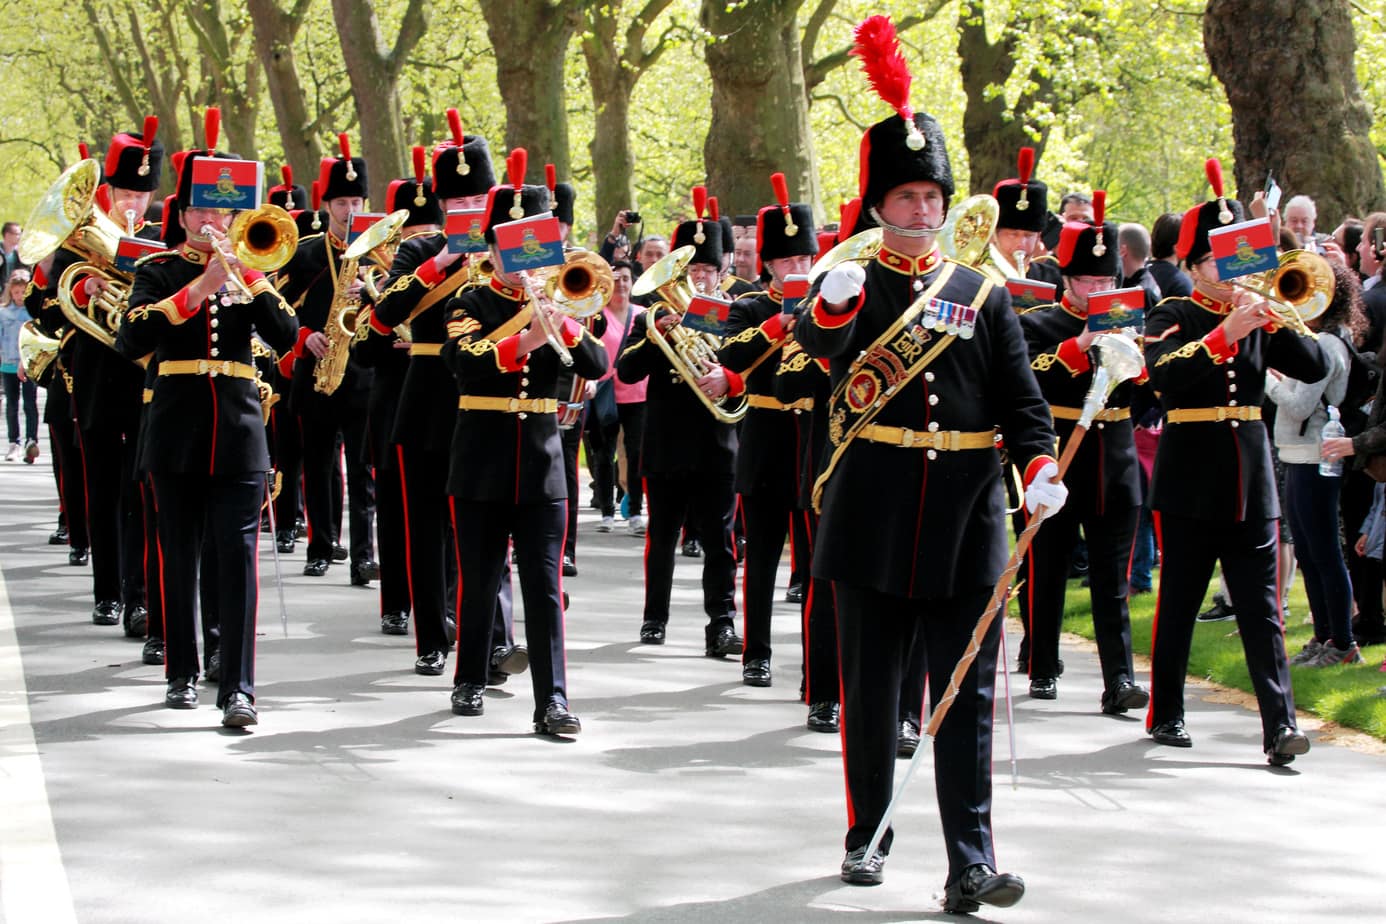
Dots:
pixel 699 207
pixel 516 165
pixel 1099 215
pixel 874 41
pixel 551 181
pixel 1025 165
pixel 211 128
pixel 286 173
pixel 345 143
pixel 781 187
pixel 419 198
pixel 714 212
pixel 83 151
pixel 455 126
pixel 151 128
pixel 317 204
pixel 1213 167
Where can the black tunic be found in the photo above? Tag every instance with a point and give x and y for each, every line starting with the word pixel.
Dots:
pixel 765 459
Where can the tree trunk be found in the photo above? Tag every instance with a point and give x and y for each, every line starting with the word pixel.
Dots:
pixel 992 134
pixel 1289 74
pixel 759 106
pixel 240 102
pixel 275 31
pixel 374 72
pixel 530 38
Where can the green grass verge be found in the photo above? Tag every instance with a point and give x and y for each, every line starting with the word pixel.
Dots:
pixel 1345 695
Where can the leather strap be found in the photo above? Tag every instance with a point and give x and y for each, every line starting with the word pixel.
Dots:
pixel 439 292
pixel 1106 415
pixel 768 403
pixel 508 405
pixel 945 440
pixel 1212 414
pixel 212 367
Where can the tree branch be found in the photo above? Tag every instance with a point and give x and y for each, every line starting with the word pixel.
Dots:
pixel 411 28
pixel 816 71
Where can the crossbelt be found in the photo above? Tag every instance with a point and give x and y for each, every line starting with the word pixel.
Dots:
pixel 1210 414
pixel 773 404
pixel 508 405
pixel 1107 414
pixel 946 440
pixel 212 367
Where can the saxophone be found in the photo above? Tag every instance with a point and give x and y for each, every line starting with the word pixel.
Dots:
pixel 340 327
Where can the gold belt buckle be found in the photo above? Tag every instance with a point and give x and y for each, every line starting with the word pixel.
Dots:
pixel 907 438
pixel 514 405
pixel 204 367
pixel 952 440
pixel 1222 413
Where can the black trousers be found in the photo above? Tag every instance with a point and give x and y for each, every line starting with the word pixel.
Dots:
pixel 572 441
pixel 320 457
pixel 485 531
pixel 226 509
pixel 114 516
pixel 1111 539
pixel 601 451
pixel 1248 553
pixel 876 632
pixel 800 552
pixel 1354 502
pixel 429 539
pixel 708 502
pixel 72 485
pixel 394 561
pixel 209 596
pixel 288 461
pixel 766 516
pixel 152 561
pixel 819 615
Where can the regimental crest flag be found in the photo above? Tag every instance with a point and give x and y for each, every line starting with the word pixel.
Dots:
pixel 707 314
pixel 131 249
pixel 529 243
pixel 795 288
pixel 1027 293
pixel 1116 309
pixel 359 223
pixel 1244 248
pixel 464 232
pixel 218 183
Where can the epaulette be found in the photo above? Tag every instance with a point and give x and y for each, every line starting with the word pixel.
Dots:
pixel 157 255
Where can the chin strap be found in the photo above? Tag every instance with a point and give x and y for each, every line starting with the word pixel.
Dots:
pixel 903 232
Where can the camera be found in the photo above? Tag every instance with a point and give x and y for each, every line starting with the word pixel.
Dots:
pixel 1379 241
pixel 632 217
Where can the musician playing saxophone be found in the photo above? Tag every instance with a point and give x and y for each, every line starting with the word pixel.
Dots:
pixel 311 282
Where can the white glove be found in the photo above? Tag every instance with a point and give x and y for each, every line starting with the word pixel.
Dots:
pixel 842 284
pixel 1046 491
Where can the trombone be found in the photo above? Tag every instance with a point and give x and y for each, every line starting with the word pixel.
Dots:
pixel 580 287
pixel 262 239
pixel 1298 290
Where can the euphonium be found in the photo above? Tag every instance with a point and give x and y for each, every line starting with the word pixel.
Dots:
pixel 692 354
pixel 966 233
pixel 37 351
pixel 378 241
pixel 1298 291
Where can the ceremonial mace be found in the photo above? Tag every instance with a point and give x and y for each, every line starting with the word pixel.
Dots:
pixel 1118 359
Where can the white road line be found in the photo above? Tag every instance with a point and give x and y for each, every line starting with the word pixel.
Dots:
pixel 33 882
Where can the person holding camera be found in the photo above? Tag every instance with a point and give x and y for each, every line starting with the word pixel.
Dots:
pixel 616 247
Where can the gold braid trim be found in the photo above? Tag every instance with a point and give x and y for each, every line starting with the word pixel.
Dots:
pixel 1187 351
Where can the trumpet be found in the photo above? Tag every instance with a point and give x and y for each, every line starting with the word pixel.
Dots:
pixel 1298 290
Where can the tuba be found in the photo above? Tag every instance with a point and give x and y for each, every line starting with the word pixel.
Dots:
pixel 1299 290
pixel 68 216
pixel 37 351
pixel 343 316
pixel 691 353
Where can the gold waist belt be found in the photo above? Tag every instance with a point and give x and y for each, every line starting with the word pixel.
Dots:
pixel 212 367
pixel 425 349
pixel 946 440
pixel 508 405
pixel 1107 414
pixel 773 404
pixel 1208 414
pixel 148 395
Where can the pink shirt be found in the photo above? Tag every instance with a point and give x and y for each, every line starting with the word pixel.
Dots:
pixel 625 394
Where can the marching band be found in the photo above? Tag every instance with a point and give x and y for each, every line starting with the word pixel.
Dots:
pixel 219 377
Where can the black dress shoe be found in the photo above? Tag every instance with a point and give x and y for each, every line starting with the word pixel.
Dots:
pixel 981 885
pixel 1044 688
pixel 450 630
pixel 316 567
pixel 907 741
pixel 495 678
pixel 239 712
pixel 361 575
pixel 468 699
pixel 136 622
pixel 652 633
pixel 569 566
pixel 795 594
pixel 214 666
pixel 153 652
pixel 822 717
pixel 285 541
pixel 182 693
pixel 692 549
pixel 339 553
pixel 431 663
pixel 58 536
pixel 1288 744
pixel 1125 695
pixel 512 659
pixel 394 623
pixel 857 869
pixel 78 557
pixel 723 642
pixel 756 672
pixel 1172 733
pixel 106 613
pixel 557 720
pixel 300 528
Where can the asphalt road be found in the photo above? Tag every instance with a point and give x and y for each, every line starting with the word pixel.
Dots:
pixel 688 797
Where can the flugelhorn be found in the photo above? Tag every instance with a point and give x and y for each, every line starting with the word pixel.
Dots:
pixel 1299 290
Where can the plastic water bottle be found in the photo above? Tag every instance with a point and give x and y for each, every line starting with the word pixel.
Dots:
pixel 1331 430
